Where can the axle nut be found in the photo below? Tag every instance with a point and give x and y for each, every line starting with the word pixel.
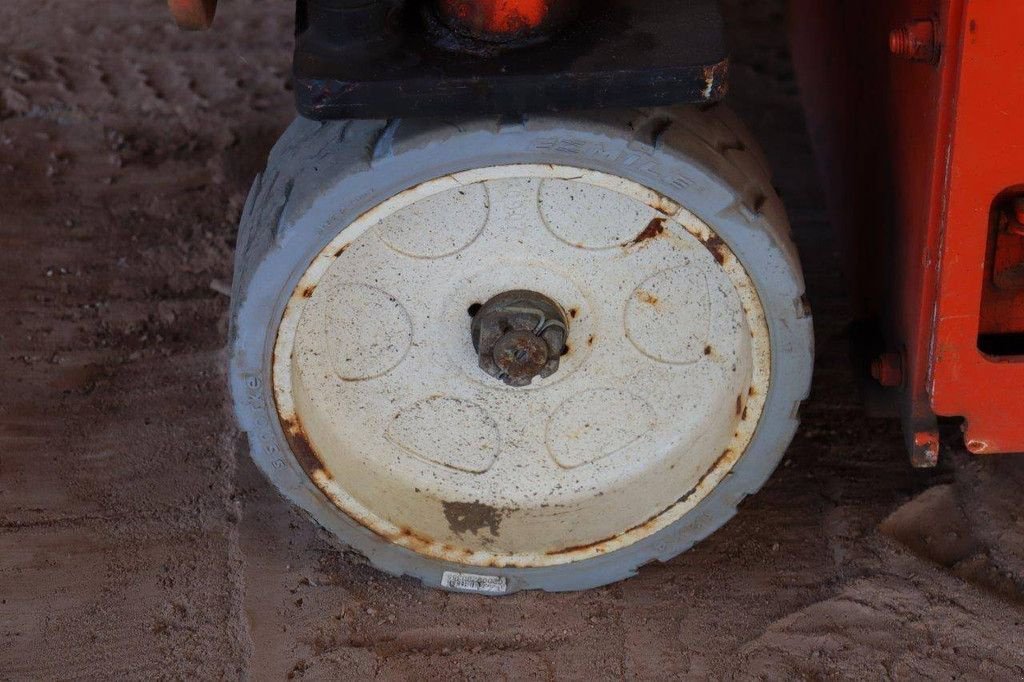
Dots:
pixel 518 336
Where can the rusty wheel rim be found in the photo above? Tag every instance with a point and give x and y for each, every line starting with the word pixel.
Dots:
pixel 380 392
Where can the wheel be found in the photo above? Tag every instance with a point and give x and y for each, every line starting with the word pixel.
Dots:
pixel 531 354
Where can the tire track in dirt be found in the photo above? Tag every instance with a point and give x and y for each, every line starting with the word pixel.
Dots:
pixel 119 528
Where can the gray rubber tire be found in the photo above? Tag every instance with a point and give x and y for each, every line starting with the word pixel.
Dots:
pixel 321 176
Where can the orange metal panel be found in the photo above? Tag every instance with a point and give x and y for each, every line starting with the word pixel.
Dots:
pixel 919 98
pixel 917 143
pixel 880 124
pixel 985 160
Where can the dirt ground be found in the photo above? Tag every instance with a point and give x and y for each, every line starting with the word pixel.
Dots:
pixel 137 540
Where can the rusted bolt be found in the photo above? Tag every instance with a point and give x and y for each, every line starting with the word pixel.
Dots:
pixel 916 41
pixel 887 369
pixel 519 335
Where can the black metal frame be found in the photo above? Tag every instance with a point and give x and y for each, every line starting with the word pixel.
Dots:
pixel 392 58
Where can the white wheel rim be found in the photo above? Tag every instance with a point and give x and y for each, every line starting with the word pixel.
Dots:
pixel 379 392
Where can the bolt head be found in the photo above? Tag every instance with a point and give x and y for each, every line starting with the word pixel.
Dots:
pixel 521 355
pixel 915 41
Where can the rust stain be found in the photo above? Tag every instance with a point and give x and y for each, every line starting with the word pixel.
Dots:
pixel 573 312
pixel 664 205
pixel 307 458
pixel 302 448
pixel 582 548
pixel 744 415
pixel 739 405
pixel 472 517
pixel 341 250
pixel 647 297
pixel 590 341
pixel 726 454
pixel 414 541
pixel 752 391
pixel 598 546
pixel 718 248
pixel 654 229
pixel 308 291
pixel 708 350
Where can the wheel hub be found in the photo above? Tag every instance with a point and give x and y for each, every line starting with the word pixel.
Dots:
pixel 520 335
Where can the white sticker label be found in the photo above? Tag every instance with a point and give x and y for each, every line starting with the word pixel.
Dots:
pixel 469 582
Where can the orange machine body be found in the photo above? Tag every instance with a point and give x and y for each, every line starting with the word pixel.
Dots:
pixel 922 150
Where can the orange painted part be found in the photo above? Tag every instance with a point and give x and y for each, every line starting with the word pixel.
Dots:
pixel 193 15
pixel 984 162
pixel 919 108
pixel 1002 303
pixel 914 154
pixel 497 17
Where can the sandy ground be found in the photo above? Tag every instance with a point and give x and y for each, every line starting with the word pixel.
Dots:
pixel 137 540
